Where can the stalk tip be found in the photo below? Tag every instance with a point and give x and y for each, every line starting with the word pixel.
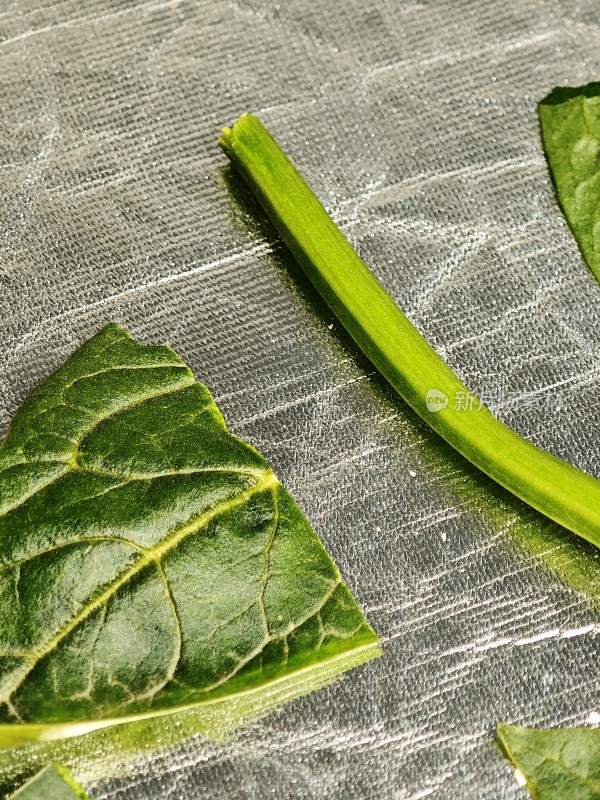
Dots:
pixel 226 141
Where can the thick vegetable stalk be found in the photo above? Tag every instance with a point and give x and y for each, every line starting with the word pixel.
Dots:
pixel 548 484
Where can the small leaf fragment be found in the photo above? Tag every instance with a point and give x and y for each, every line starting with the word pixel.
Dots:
pixel 570 125
pixel 52 783
pixel 557 763
pixel 149 560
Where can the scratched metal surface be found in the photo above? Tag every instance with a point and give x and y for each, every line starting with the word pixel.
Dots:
pixel 416 124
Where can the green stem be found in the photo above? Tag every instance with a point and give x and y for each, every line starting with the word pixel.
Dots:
pixel 552 486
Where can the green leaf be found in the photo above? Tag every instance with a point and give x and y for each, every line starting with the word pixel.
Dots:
pixel 149 560
pixel 52 783
pixel 396 348
pixel 110 751
pixel 558 763
pixel 570 123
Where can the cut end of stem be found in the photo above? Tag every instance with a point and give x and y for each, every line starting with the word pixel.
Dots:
pixel 247 123
pixel 226 141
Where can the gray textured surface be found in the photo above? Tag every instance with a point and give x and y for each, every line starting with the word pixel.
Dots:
pixel 416 124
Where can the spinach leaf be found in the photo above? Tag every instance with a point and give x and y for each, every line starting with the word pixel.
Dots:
pixel 52 783
pixel 570 124
pixel 149 559
pixel 557 764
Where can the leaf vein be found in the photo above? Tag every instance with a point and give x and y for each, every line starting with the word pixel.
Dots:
pixel 70 543
pixel 589 782
pixel 155 554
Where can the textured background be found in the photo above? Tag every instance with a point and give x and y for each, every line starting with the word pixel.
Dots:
pixel 416 124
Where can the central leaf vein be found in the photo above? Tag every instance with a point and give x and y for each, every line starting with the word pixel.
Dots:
pixel 155 554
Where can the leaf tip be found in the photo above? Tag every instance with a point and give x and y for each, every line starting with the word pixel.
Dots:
pixel 507 734
pixel 562 94
pixel 112 331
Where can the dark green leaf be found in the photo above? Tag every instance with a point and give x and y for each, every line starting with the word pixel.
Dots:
pixel 570 122
pixel 149 559
pixel 52 783
pixel 558 764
